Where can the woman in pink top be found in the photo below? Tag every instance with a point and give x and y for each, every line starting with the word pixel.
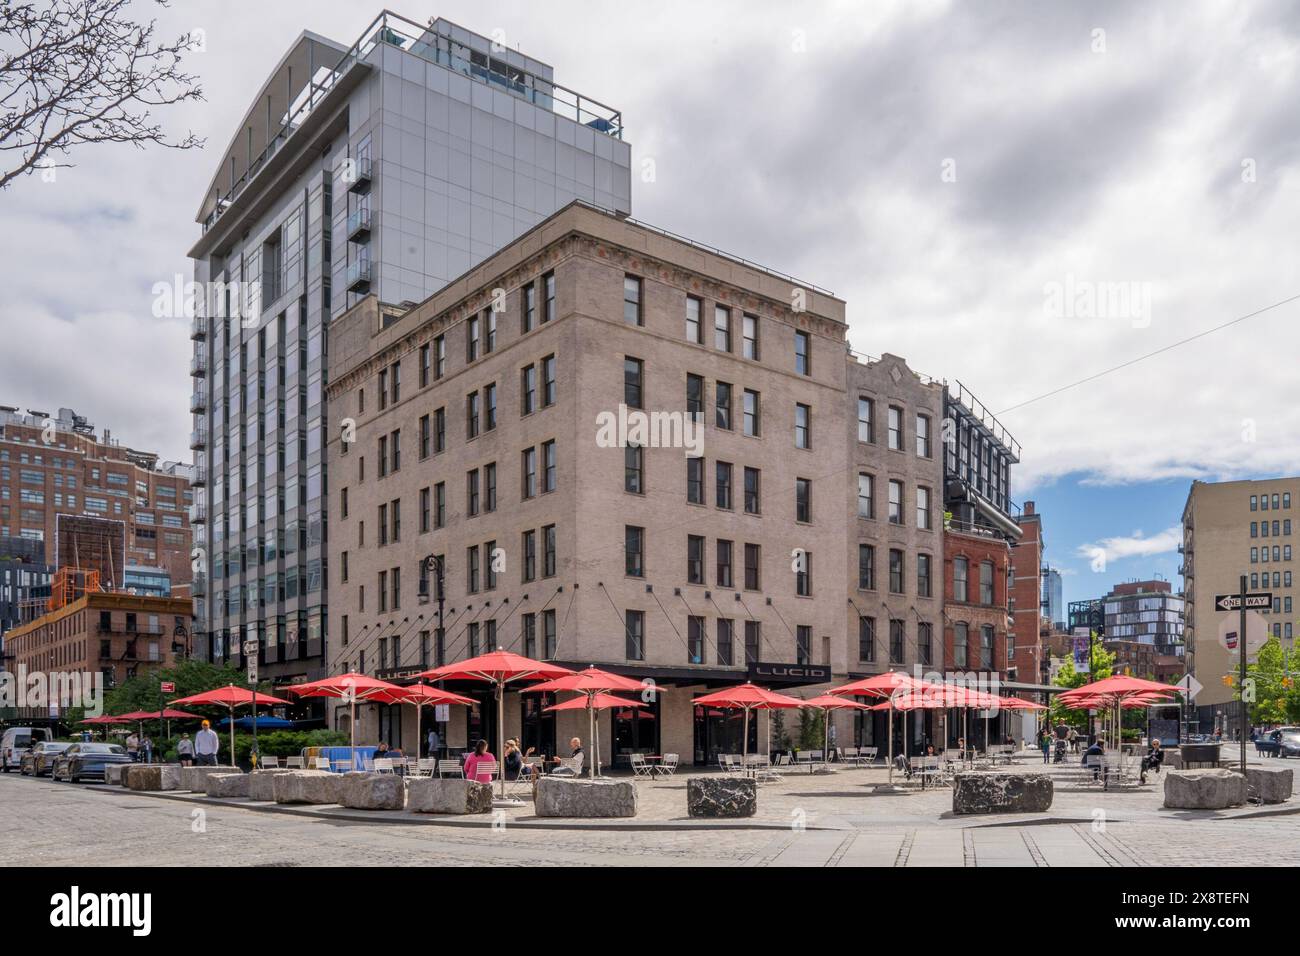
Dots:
pixel 479 757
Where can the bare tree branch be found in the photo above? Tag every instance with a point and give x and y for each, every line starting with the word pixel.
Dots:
pixel 82 71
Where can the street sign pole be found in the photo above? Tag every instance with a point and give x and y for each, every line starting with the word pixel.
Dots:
pixel 251 650
pixel 1241 648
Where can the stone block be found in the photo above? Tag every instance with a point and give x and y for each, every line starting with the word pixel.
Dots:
pixel 115 773
pixel 195 778
pixel 721 797
pixel 307 786
pixel 261 784
pixel 373 791
pixel 234 784
pixel 1269 784
pixel 1204 789
pixel 998 792
pixel 152 776
pixel 451 795
pixel 584 799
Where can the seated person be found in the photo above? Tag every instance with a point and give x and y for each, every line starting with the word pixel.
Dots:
pixel 576 759
pixel 1152 761
pixel 1099 751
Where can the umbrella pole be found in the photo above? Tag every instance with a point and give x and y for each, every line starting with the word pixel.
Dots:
pixel 501 738
pixel 891 740
pixel 593 731
pixel 826 734
pixel 232 735
pixel 744 740
pixel 352 726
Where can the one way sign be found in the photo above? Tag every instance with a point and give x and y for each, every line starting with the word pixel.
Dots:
pixel 1254 599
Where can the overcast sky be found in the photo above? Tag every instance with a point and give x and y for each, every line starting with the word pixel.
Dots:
pixel 963 174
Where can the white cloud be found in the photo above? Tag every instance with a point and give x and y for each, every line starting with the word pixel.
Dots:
pixel 1134 545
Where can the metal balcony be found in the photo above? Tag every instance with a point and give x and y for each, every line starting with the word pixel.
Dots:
pixel 198 586
pixel 198 328
pixel 361 175
pixel 198 513
pixel 200 475
pixel 359 276
pixel 198 403
pixel 198 439
pixel 359 225
pixel 199 366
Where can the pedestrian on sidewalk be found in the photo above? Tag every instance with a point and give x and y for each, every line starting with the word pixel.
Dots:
pixel 1045 745
pixel 133 747
pixel 206 745
pixel 185 750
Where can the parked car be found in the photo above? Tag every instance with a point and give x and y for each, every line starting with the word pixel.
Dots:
pixel 87 761
pixel 15 742
pixel 39 759
pixel 1283 742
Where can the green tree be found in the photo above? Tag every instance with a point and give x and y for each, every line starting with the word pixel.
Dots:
pixel 1268 682
pixel 1103 665
pixel 812 731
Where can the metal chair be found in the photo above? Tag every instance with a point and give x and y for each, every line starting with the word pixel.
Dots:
pixel 668 766
pixel 450 768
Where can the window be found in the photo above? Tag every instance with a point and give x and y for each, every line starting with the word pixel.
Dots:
pixel 923 584
pixel 634 469
pixel 694 330
pixel 960 578
pixel 896 634
pixel 471 569
pixel 632 301
pixel 426 433
pixel 749 330
pixel 424 510
pixel 867 567
pixel 753 565
pixel 383 455
pixel 754 641
pixel 490 407
pixel 632 378
pixel 548 551
pixel 724 641
pixel 752 479
pixel 440 356
pixel 986 582
pixel 895 428
pixel 867 639
pixel 866 419
pixel 695 397
pixel 751 413
pixel 633 551
pixel 548 297
pixel 440 431
pixel 924 642
pixel 548 466
pixel 803 575
pixel 489 336
pixel 440 504
pixel 723 556
pixel 866 496
pixel 528 473
pixel 472 339
pixel 471 493
pixel 986 646
pixel 960 644
pixel 490 487
pixel 695 639
pixel 1254 503
pixel 527 390
pixel 802 426
pixel 803 500
pixel 695 481
pixel 383 389
pixel 548 381
pixel 528 309
pixel 694 559
pixel 722 490
pixel 802 353
pixel 895 571
pixel 895 502
pixel 383 525
pixel 722 328
pixel 923 436
pixel 548 633
pixel 722 405
pixel 425 362
pixel 803 644
pixel 471 416
pixel 634 624
pixel 923 508
pixel 530 556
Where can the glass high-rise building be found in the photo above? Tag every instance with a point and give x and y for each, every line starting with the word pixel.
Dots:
pixel 391 166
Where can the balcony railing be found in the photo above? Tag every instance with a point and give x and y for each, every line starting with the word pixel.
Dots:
pixel 359 225
pixel 200 475
pixel 361 169
pixel 198 513
pixel 198 403
pixel 198 328
pixel 359 275
pixel 199 366
pixel 199 439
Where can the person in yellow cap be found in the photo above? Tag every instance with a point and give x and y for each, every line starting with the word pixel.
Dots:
pixel 206 744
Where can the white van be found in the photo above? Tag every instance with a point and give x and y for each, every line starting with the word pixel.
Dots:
pixel 16 742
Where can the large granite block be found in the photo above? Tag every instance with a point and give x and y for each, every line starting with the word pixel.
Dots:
pixel 1204 789
pixel 373 791
pixel 1269 784
pixel 721 797
pixel 115 774
pixel 226 784
pixel 451 795
pixel 570 797
pixel 195 778
pixel 261 784
pixel 153 776
pixel 307 786
pixel 996 792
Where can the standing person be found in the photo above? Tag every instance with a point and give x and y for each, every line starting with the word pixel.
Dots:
pixel 481 755
pixel 146 748
pixel 133 747
pixel 1045 745
pixel 206 745
pixel 432 743
pixel 1073 737
pixel 185 750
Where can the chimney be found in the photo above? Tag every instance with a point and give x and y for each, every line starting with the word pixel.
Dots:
pixel 1029 507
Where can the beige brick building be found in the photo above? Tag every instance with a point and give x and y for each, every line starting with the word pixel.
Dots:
pixel 1233 528
pixel 485 426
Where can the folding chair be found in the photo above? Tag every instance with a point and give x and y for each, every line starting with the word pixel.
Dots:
pixel 450 768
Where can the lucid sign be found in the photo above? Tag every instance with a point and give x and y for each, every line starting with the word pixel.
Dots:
pixel 761 673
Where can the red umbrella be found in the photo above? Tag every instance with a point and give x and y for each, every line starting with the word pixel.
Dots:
pixel 879 685
pixel 105 719
pixel 827 703
pixel 420 695
pixel 230 697
pixel 747 697
pixel 498 668
pixel 595 702
pixel 590 681
pixel 350 687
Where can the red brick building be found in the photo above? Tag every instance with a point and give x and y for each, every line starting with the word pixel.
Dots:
pixel 1027 662
pixel 975 601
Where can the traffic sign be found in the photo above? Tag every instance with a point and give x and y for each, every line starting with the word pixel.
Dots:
pixel 1256 632
pixel 1232 602
pixel 252 670
pixel 1191 685
pixel 167 687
